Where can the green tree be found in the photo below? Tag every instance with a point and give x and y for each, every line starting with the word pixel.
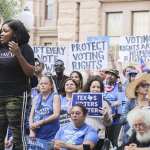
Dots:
pixel 8 8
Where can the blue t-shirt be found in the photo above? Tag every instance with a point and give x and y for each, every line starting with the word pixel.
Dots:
pixel 72 135
pixel 43 109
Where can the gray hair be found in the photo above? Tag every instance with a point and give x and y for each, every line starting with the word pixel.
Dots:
pixel 138 113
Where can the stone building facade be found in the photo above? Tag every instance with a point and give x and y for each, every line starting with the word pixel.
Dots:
pixel 75 20
pixel 45 27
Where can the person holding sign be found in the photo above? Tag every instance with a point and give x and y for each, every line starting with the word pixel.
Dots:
pixel 77 133
pixel 130 73
pixel 114 94
pixel 44 114
pixel 95 85
pixel 70 87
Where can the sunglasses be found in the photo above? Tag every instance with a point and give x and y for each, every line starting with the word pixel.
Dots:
pixel 132 74
pixel 144 85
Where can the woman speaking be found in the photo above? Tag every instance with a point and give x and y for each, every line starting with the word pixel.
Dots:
pixel 16 66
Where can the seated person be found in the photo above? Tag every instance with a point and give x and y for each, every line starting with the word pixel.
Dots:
pixel 74 135
pixel 139 120
pixel 94 84
pixel 69 87
pixel 44 115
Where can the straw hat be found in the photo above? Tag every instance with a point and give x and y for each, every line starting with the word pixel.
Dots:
pixel 130 90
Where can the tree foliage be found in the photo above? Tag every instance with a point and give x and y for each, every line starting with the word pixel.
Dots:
pixel 8 8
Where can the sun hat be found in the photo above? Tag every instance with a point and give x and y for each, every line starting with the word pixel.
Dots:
pixel 130 89
pixel 113 71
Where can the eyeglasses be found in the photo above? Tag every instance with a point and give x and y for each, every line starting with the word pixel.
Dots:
pixel 144 85
pixel 58 65
pixel 141 125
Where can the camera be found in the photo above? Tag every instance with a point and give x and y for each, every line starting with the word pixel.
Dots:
pixel 132 73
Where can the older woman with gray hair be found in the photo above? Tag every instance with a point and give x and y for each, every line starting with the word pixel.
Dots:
pixel 139 120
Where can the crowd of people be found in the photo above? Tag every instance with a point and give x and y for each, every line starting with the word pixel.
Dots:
pixel 35 106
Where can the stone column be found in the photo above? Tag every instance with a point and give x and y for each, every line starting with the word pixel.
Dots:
pixel 78 19
pixel 66 21
pixel 90 24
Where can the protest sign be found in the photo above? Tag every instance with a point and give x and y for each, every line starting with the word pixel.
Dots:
pixel 98 38
pixel 37 144
pixel 89 55
pixel 76 56
pixel 92 101
pixel 49 55
pixel 133 48
pixel 64 118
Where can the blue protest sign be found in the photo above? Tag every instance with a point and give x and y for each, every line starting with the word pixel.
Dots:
pixel 64 118
pixel 98 38
pixel 92 101
pixel 37 144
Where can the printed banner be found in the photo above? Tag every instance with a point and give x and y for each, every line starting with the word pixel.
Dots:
pixel 76 56
pixel 64 119
pixel 49 55
pixel 37 144
pixel 92 101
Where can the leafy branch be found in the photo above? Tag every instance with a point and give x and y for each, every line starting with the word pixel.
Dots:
pixel 8 8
